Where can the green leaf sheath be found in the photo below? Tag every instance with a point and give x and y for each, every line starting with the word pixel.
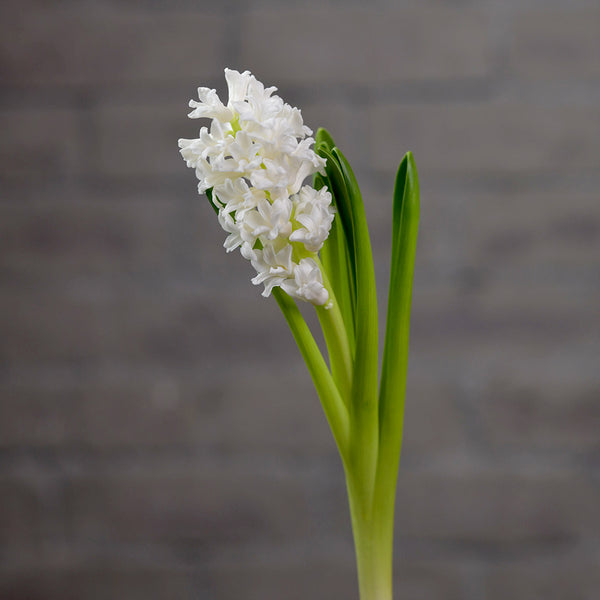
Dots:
pixel 395 355
pixel 333 405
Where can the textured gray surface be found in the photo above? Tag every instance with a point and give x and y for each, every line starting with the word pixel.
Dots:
pixel 159 436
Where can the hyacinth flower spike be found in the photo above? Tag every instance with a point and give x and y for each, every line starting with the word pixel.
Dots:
pixel 311 243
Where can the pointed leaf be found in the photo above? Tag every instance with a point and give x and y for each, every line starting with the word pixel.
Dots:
pixel 324 137
pixel 339 190
pixel 366 323
pixel 364 413
pixel 395 355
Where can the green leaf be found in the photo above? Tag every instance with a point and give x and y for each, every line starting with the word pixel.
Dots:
pixel 364 409
pixel 342 261
pixel 336 263
pixel 366 323
pixel 338 187
pixel 395 355
pixel 324 137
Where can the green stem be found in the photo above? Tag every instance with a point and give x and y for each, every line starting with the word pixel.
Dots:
pixel 333 405
pixel 336 338
pixel 372 527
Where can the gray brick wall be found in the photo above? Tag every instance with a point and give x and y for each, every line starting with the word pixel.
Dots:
pixel 159 436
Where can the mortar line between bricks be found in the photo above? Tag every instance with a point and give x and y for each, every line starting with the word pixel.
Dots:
pixel 120 459
pixel 431 91
pixel 473 556
pixel 110 192
pixel 527 180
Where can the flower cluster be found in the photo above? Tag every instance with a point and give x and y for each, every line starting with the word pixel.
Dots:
pixel 254 159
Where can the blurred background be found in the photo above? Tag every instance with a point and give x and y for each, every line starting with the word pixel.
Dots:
pixel 159 434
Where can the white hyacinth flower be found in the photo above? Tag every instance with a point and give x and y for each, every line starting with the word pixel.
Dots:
pixel 308 282
pixel 312 210
pixel 254 158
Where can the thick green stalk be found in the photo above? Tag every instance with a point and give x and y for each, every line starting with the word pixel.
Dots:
pixel 371 528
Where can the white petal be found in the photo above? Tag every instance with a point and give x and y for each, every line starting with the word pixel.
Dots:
pixel 237 84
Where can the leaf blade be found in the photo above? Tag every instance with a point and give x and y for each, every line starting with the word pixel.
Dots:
pixel 364 413
pixel 406 212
